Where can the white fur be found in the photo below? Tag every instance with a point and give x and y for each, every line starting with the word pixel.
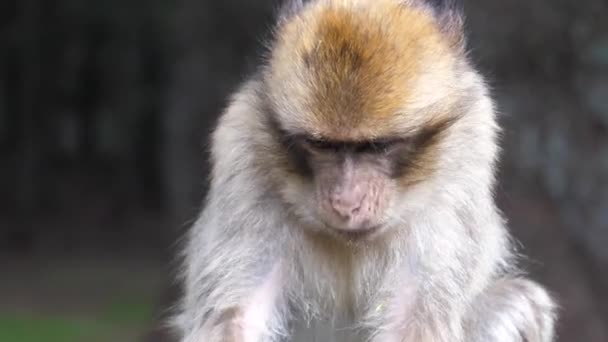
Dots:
pixel 258 312
pixel 441 277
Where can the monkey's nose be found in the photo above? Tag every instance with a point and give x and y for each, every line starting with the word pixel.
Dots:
pixel 346 206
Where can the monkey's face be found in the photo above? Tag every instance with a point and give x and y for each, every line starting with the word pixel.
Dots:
pixel 357 189
pixel 353 182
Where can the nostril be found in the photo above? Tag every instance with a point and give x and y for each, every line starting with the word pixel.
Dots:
pixel 344 209
pixel 340 212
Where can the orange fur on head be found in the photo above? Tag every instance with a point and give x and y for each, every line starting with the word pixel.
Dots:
pixel 352 70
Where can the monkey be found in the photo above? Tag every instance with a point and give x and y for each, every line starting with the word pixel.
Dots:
pixel 352 191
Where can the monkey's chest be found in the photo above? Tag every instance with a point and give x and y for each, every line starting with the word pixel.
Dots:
pixel 319 330
pixel 330 302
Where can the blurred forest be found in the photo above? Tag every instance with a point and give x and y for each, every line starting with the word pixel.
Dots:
pixel 104 111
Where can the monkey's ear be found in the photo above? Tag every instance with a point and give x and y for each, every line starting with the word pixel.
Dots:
pixel 443 7
pixel 450 16
pixel 289 8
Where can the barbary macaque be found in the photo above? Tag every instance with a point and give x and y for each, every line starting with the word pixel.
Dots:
pixel 351 194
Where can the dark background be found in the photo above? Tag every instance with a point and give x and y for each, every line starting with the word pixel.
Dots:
pixel 104 111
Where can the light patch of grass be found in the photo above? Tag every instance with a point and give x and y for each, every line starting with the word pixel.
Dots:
pixel 48 329
pixel 128 311
pixel 119 319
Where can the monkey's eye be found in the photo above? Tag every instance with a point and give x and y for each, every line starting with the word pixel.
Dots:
pixel 378 146
pixel 320 144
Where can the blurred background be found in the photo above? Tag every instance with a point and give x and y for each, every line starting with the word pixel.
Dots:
pixel 104 111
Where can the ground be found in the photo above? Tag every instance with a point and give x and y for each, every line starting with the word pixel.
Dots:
pixel 77 300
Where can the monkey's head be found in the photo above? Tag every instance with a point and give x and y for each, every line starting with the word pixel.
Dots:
pixel 364 99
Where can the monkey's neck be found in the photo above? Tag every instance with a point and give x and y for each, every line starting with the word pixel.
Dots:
pixel 339 273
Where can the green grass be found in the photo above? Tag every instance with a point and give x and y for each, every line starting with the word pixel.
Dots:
pixel 36 329
pixel 128 312
pixel 107 325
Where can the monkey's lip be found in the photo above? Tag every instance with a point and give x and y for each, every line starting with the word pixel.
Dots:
pixel 357 234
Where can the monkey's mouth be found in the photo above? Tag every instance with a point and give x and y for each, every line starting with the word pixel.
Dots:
pixel 366 233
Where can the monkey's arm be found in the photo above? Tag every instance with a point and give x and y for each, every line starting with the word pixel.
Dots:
pixel 509 310
pixel 512 310
pixel 468 294
pixel 232 282
pixel 232 267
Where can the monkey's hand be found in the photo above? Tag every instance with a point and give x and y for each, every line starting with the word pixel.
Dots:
pixel 250 316
pixel 512 310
